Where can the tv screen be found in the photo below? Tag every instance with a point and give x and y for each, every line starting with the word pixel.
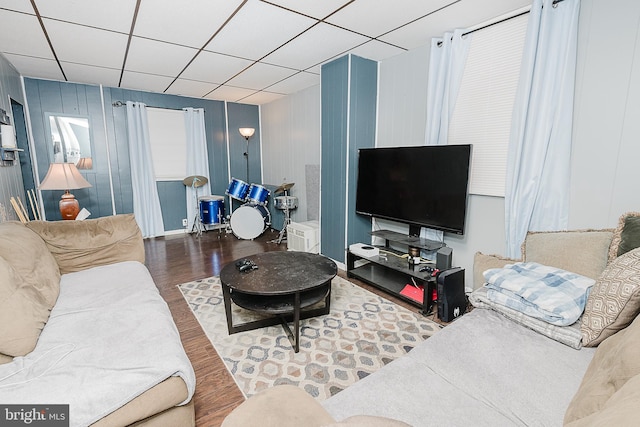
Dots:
pixel 420 186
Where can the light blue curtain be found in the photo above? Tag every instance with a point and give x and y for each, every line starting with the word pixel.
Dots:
pixel 197 159
pixel 539 157
pixel 446 67
pixel 146 203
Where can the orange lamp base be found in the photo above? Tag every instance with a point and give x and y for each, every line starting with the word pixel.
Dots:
pixel 69 206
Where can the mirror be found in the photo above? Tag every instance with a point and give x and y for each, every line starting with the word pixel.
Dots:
pixel 70 138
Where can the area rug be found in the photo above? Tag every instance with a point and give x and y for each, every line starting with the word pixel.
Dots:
pixel 362 333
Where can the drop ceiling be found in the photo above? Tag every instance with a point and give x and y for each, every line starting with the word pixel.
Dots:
pixel 249 51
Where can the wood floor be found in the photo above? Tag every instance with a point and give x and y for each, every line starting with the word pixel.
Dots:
pixel 182 258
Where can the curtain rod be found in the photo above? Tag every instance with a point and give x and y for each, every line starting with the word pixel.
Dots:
pixel 122 104
pixel 555 4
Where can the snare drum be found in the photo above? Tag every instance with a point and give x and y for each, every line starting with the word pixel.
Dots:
pixel 257 194
pixel 286 202
pixel 249 221
pixel 238 189
pixel 211 209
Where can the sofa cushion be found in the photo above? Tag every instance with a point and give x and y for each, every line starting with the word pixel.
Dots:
pixel 28 290
pixel 560 248
pixel 78 245
pixel 615 362
pixel 614 300
pixel 482 263
pixel 626 236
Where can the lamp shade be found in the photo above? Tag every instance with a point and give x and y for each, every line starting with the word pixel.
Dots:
pixel 63 176
pixel 247 132
pixel 85 163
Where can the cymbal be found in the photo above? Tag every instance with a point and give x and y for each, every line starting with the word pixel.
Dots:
pixel 195 181
pixel 284 187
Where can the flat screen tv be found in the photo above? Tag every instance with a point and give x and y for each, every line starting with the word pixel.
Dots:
pixel 423 186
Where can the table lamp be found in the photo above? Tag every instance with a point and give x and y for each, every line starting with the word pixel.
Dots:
pixel 65 176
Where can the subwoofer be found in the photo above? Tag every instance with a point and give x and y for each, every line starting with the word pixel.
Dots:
pixel 452 302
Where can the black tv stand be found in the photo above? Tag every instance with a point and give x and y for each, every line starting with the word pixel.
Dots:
pixel 391 272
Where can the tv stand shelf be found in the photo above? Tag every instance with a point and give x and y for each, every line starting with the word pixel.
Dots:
pixel 391 273
pixel 414 241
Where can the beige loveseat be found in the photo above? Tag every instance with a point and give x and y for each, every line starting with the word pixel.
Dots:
pixel 494 368
pixel 83 324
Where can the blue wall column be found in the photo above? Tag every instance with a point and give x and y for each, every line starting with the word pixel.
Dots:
pixel 348 97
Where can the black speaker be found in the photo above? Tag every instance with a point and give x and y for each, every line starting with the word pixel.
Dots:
pixel 443 258
pixel 452 301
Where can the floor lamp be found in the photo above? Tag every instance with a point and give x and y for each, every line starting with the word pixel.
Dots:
pixel 247 133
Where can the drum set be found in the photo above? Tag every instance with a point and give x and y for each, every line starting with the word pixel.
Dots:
pixel 247 221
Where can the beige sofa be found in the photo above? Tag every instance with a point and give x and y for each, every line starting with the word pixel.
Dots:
pixel 494 368
pixel 83 324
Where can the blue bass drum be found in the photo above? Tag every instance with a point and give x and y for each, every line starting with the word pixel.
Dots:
pixel 258 195
pixel 211 209
pixel 238 189
pixel 250 221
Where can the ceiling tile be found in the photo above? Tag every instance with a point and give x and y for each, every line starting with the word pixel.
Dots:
pixel 229 93
pixel 85 45
pixel 295 83
pixel 376 50
pixel 261 75
pixel 458 15
pixel 257 29
pixel 114 15
pixel 19 5
pixel 13 30
pixel 30 66
pixel 314 8
pixel 143 81
pixel 262 97
pixel 191 88
pixel 214 67
pixel 91 75
pixel 389 15
pixel 315 46
pixel 162 20
pixel 150 56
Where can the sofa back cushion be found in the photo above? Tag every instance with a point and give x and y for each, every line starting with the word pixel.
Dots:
pixel 584 252
pixel 604 384
pixel 78 245
pixel 28 290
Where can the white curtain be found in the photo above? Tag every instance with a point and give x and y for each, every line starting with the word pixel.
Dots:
pixel 446 67
pixel 197 159
pixel 146 203
pixel 539 157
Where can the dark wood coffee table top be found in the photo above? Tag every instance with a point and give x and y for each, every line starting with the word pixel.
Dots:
pixel 280 273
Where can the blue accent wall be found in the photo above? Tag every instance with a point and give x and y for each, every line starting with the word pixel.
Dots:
pixel 348 96
pixel 46 96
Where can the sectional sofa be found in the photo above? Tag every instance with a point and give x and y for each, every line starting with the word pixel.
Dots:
pixel 83 324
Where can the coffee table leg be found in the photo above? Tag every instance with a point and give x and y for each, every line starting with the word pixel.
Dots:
pixel 226 295
pixel 296 320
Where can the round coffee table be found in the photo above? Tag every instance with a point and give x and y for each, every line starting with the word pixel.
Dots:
pixel 283 286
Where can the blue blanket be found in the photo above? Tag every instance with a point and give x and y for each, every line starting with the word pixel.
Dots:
pixel 547 293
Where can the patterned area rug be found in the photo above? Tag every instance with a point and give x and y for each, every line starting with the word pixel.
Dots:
pixel 362 333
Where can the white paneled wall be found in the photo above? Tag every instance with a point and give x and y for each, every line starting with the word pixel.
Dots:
pixel 290 141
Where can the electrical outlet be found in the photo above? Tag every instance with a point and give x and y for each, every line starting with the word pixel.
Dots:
pixel 184 222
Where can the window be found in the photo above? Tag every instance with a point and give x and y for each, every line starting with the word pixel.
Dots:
pixel 483 110
pixel 167 136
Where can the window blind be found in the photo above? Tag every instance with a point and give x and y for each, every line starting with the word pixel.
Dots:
pixel 168 140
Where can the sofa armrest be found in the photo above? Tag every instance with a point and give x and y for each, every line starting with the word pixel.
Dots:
pixel 78 245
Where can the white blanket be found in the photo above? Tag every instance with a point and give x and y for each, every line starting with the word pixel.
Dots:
pixel 110 337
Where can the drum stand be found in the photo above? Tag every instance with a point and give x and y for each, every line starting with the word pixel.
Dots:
pixel 287 221
pixel 197 222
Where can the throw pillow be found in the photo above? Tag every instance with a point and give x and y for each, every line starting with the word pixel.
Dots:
pixel 613 365
pixel 23 313
pixel 482 263
pixel 580 251
pixel 626 236
pixel 614 300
